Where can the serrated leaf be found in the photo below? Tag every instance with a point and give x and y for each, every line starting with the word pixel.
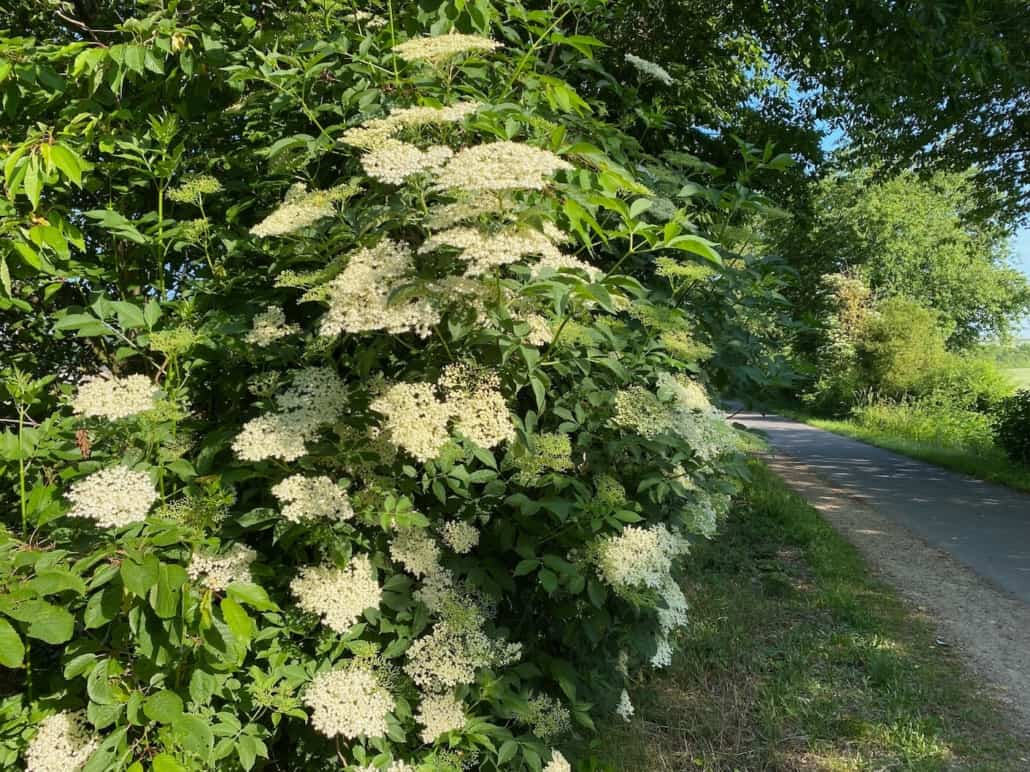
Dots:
pixel 12 650
pixel 67 161
pixel 164 707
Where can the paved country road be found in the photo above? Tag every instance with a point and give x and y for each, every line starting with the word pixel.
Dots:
pixel 983 526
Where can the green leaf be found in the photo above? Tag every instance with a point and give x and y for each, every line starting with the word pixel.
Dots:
pixel 5 276
pixel 507 752
pixel 103 606
pixel 252 594
pixel 695 245
pixel 51 624
pixel 526 567
pixel 193 734
pixel 12 650
pixel 164 707
pixel 117 224
pixel 33 181
pixel 140 577
pixel 166 593
pixel 238 619
pixel 164 763
pixel 67 161
pixel 202 687
pixel 130 316
pixel 54 580
pixel 548 580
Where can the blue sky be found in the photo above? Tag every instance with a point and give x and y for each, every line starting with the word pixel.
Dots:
pixel 1021 249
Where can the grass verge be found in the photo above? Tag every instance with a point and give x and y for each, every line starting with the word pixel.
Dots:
pixel 983 463
pixel 797 659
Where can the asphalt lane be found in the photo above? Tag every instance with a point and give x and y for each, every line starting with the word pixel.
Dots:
pixel 984 526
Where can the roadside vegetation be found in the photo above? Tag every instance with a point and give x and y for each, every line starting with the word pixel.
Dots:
pixel 798 659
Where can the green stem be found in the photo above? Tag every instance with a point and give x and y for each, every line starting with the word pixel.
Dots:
pixel 161 239
pixel 21 474
pixel 393 44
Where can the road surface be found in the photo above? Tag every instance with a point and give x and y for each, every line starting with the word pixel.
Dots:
pixel 986 527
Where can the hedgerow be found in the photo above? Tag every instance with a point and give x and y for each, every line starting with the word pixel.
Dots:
pixel 368 440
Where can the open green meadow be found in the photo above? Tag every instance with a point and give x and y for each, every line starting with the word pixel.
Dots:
pixel 1021 375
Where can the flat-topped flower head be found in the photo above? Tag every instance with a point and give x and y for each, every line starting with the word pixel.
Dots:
pixel 338 595
pixel 219 571
pixel 558 763
pixel 312 498
pixel 394 161
pixel 114 398
pixel 349 703
pixel 442 48
pixel 416 418
pixel 269 326
pixel 373 134
pixel 500 166
pixel 440 713
pixel 63 743
pixel 113 497
pixel 359 297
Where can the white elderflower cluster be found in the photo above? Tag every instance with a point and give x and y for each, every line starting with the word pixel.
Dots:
pixel 311 498
pixel 339 595
pixel 678 409
pixel 417 551
pixel 639 557
pixel 395 766
pixel 548 716
pixel 349 703
pixel 638 409
pixel 113 497
pixel 563 262
pixel 460 536
pixel 625 706
pixel 477 404
pixel 558 763
pixel 416 419
pixel 219 571
pixel 316 398
pixel 269 326
pixel 484 251
pixel 440 713
pixel 394 161
pixel 450 656
pixel 686 392
pixel 441 49
pixel 540 332
pixel 471 207
pixel 500 166
pixel 115 398
pixel 271 436
pixel 299 209
pixel 370 20
pixel 63 743
pixel 650 69
pixel 359 298
pixel 376 132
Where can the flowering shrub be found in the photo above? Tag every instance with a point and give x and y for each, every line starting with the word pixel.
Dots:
pixel 391 469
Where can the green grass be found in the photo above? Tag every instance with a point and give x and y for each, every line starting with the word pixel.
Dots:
pixel 1021 376
pixel 797 659
pixel 989 463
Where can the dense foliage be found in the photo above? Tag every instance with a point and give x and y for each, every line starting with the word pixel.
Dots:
pixel 396 426
pixel 912 237
pixel 1013 430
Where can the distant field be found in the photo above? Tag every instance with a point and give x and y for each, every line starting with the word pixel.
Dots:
pixel 1020 375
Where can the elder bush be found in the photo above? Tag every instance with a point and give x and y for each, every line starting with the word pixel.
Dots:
pixel 384 461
